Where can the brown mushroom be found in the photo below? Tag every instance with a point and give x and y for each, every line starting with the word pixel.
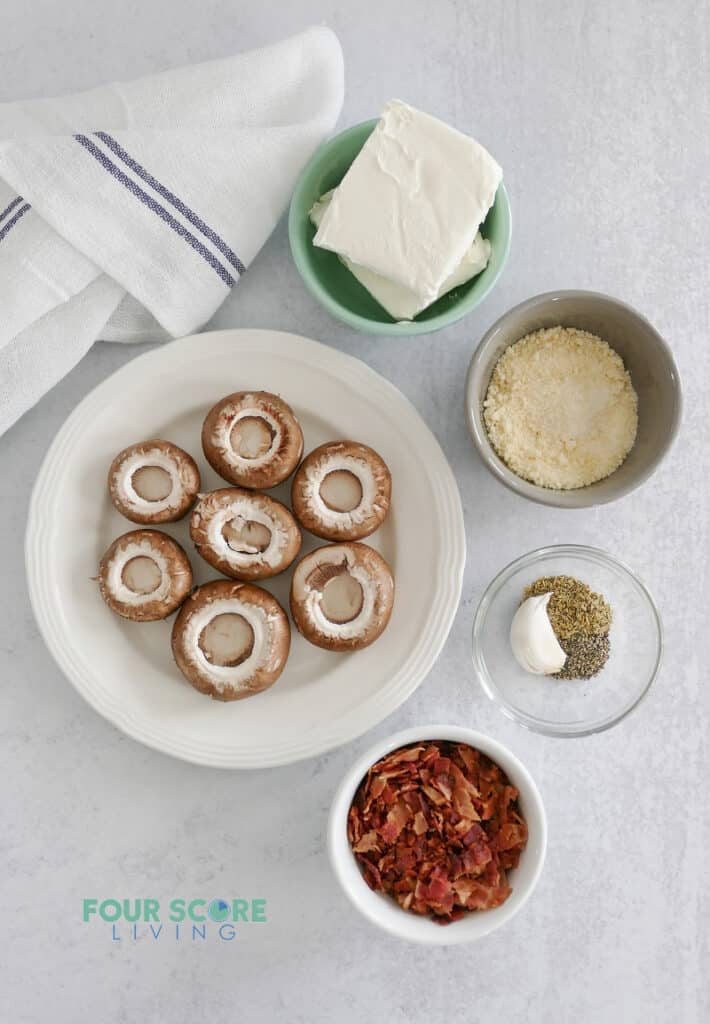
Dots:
pixel 342 491
pixel 145 575
pixel 243 534
pixel 231 640
pixel 153 482
pixel 252 439
pixel 342 596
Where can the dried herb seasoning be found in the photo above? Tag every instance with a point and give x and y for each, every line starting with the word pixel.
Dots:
pixel 574 607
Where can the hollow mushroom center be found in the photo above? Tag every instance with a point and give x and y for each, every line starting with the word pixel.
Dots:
pixel 227 639
pixel 342 598
pixel 251 437
pixel 152 483
pixel 246 535
pixel 141 575
pixel 341 490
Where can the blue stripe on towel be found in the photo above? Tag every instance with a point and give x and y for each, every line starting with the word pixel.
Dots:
pixel 174 200
pixel 8 209
pixel 156 208
pixel 9 225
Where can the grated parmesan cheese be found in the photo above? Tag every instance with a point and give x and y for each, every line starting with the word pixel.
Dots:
pixel 560 409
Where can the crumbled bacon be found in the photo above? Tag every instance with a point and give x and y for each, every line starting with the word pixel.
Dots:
pixel 437 825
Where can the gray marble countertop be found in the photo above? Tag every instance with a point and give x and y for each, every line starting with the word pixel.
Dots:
pixel 598 114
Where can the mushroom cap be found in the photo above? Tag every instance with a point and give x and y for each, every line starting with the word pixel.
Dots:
pixel 180 467
pixel 265 469
pixel 240 559
pixel 374 479
pixel 311 576
pixel 271 639
pixel 175 575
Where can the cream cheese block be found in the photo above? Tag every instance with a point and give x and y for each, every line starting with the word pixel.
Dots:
pixel 400 302
pixel 411 203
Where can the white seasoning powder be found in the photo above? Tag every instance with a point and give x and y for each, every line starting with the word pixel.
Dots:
pixel 560 409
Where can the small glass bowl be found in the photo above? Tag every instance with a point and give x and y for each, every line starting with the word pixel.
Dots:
pixel 569 707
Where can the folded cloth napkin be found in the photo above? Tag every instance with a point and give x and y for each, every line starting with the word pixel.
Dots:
pixel 129 212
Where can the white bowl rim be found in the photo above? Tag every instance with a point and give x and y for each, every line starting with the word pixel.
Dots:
pixel 495 465
pixel 531 722
pixel 411 926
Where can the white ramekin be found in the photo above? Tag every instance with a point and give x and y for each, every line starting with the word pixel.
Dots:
pixel 384 911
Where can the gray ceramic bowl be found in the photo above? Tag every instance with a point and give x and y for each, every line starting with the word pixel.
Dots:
pixel 646 356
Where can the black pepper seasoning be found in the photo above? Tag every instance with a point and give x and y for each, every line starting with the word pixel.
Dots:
pixel 586 655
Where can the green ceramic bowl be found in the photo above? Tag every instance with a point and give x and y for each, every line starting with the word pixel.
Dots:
pixel 334 286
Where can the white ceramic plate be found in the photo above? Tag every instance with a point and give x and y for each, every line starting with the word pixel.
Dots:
pixel 125 670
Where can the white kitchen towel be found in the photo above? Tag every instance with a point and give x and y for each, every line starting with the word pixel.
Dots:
pixel 130 211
